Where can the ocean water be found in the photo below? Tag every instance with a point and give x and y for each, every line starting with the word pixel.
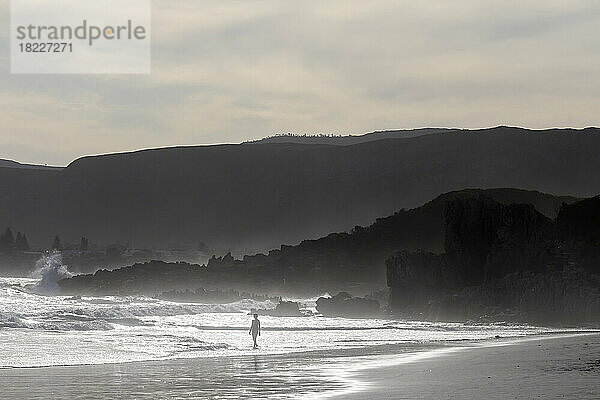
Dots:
pixel 39 328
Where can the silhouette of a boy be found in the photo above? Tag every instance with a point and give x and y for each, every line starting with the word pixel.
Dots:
pixel 255 329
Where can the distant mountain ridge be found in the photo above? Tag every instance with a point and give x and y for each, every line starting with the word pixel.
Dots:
pixel 255 196
pixel 339 140
pixel 348 140
pixel 14 164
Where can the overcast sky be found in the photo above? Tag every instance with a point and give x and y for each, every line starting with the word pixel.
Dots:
pixel 228 71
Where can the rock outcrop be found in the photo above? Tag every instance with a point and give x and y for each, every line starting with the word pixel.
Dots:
pixel 504 262
pixel 344 305
pixel 414 277
pixel 331 264
pixel 487 240
pixel 283 309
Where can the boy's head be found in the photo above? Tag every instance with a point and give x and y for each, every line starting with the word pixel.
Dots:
pixel 255 316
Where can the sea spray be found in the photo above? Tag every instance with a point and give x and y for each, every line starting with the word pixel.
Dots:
pixel 49 269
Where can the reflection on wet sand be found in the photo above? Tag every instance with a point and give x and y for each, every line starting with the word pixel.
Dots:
pixel 256 376
pixel 294 375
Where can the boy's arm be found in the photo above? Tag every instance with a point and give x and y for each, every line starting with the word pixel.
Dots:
pixel 258 328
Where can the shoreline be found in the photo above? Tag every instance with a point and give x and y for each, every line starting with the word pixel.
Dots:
pixel 378 372
pixel 540 366
pixel 395 349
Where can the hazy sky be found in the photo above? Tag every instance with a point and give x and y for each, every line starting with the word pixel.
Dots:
pixel 228 71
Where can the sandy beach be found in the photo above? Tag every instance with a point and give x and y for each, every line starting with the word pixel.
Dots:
pixel 559 366
pixel 550 367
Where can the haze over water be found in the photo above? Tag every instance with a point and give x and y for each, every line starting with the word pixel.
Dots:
pixel 39 328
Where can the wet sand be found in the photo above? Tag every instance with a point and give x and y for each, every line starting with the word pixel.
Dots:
pixel 258 375
pixel 540 367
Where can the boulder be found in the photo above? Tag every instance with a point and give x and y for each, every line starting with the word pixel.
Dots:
pixel 344 305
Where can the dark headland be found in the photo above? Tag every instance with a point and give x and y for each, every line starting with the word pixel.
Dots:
pixel 467 255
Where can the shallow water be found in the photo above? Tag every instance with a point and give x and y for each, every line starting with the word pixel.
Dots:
pixel 44 330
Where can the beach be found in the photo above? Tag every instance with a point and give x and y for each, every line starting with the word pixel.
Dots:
pixel 542 366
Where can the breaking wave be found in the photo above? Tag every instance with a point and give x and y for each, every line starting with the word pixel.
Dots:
pixel 58 313
pixel 49 269
pixel 39 327
pixel 10 320
pixel 144 307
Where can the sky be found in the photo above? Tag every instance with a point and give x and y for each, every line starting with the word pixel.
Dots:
pixel 228 71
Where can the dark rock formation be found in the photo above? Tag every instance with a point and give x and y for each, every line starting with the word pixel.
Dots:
pixel 150 278
pixel 580 221
pixel 579 226
pixel 487 240
pixel 344 305
pixel 571 296
pixel 283 309
pixel 414 277
pixel 358 257
pixel 331 264
pixel 504 262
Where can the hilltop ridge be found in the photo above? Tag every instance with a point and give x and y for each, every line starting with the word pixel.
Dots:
pixel 255 196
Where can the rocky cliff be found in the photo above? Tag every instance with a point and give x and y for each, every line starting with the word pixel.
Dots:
pixel 504 262
pixel 486 240
pixel 347 261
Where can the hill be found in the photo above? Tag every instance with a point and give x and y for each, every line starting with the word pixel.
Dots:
pixel 353 139
pixel 340 261
pixel 14 164
pixel 255 196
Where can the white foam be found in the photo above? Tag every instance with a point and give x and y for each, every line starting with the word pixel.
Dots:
pixel 107 329
pixel 49 269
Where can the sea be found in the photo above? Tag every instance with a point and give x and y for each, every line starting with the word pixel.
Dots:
pixel 41 328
